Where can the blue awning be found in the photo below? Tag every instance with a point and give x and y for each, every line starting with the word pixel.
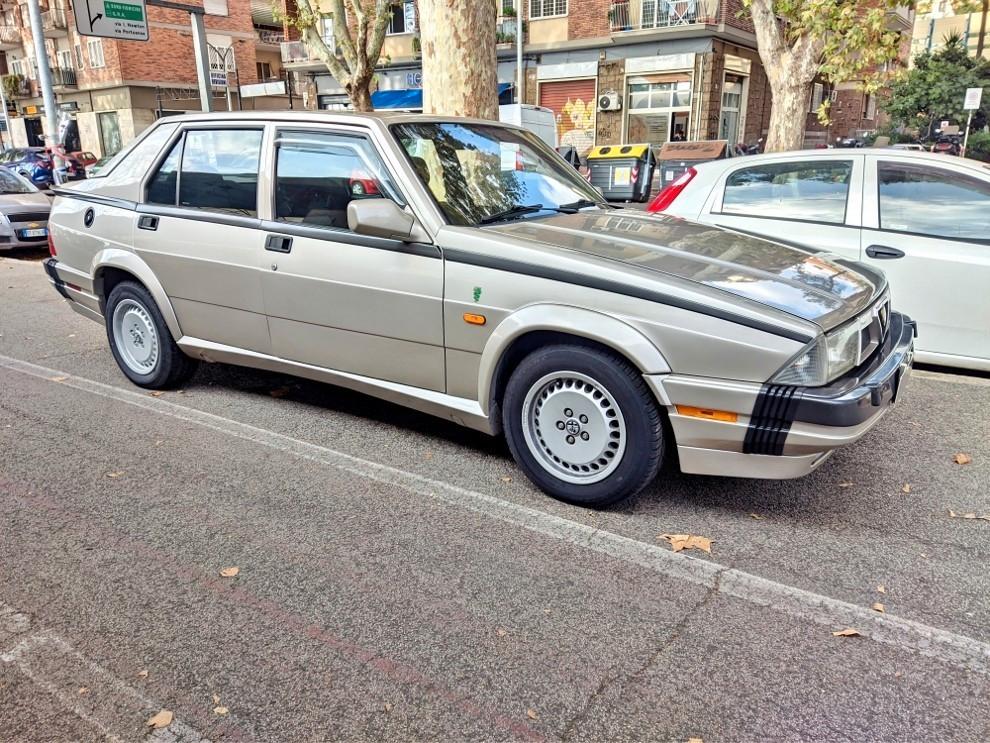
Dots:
pixel 410 98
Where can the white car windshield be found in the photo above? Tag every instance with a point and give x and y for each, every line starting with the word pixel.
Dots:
pixel 480 173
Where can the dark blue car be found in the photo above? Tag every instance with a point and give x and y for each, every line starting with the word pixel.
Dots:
pixel 34 163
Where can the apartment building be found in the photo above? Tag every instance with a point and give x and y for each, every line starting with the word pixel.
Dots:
pixel 942 21
pixel 115 89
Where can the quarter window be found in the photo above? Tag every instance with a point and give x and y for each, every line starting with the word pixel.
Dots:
pixel 810 191
pixel 317 174
pixel 934 202
pixel 161 189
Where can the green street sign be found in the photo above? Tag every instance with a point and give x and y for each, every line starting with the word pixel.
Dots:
pixel 123 10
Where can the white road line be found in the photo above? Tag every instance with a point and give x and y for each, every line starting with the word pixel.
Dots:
pixel 56 655
pixel 949 647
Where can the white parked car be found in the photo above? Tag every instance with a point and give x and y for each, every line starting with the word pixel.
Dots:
pixel 924 219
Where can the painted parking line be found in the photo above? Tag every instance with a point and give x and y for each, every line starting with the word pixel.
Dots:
pixel 58 669
pixel 949 647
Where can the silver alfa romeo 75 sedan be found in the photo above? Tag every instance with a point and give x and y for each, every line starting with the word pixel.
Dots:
pixel 462 268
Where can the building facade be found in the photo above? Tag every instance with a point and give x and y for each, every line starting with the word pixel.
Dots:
pixel 933 27
pixel 114 89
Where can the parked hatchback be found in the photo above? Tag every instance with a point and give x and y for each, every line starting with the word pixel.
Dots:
pixel 34 163
pixel 923 219
pixel 476 276
pixel 23 212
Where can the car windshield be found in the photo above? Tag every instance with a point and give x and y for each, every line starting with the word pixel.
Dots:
pixel 13 183
pixel 481 173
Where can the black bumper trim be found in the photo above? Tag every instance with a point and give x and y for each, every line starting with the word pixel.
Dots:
pixel 50 264
pixel 848 401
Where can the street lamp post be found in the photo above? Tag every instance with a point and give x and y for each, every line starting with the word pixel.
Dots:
pixel 47 92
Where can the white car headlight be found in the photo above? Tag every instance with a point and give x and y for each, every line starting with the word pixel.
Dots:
pixel 825 358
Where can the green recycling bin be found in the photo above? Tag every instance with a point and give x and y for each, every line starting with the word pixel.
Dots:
pixel 622 172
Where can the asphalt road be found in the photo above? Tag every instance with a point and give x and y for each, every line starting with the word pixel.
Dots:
pixel 400 580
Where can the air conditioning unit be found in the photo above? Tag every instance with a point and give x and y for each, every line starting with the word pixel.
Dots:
pixel 610 101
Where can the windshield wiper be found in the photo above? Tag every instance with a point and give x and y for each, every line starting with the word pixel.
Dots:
pixel 516 211
pixel 577 205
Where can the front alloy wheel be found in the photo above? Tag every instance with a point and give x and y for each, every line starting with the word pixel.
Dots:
pixel 582 424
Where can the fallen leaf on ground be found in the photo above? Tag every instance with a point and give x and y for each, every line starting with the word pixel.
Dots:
pixel 58 379
pixel 881 589
pixel 388 706
pixel 961 458
pixel 279 392
pixel 84 690
pixel 115 475
pixel 143 673
pixel 501 632
pixel 221 710
pixel 849 632
pixel 757 516
pixel 978 516
pixel 878 607
pixel 695 740
pixel 906 488
pixel 229 572
pixel 162 720
pixel 156 393
pixel 531 714
pixel 506 479
pixel 688 542
pixel 845 484
pixel 428 455
pixel 72 335
pixel 216 699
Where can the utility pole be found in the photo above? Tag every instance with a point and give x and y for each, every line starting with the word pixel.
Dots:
pixel 519 53
pixel 202 59
pixel 47 93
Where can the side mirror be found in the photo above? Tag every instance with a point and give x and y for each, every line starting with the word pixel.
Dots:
pixel 383 218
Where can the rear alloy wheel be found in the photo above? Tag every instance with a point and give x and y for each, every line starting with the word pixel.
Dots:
pixel 583 425
pixel 140 340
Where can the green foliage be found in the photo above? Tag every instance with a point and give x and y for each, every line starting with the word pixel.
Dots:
pixel 978 146
pixel 13 85
pixel 935 88
pixel 854 38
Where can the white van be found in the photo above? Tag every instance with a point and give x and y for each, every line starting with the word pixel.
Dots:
pixel 541 121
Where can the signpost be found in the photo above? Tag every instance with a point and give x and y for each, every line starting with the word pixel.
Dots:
pixel 112 19
pixel 972 103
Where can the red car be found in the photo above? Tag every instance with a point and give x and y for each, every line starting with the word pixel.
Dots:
pixel 361 184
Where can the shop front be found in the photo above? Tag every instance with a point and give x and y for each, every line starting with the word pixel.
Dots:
pixel 659 99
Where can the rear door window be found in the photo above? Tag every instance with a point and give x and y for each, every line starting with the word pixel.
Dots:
pixel 923 200
pixel 807 191
pixel 214 169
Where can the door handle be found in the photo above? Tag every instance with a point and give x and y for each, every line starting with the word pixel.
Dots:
pixel 278 244
pixel 882 252
pixel 147 222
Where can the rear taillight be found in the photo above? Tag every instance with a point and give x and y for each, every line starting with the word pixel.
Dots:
pixel 51 244
pixel 668 193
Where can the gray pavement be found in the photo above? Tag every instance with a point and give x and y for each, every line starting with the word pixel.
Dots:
pixel 400 580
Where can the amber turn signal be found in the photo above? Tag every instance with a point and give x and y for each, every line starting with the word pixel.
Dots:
pixel 474 319
pixel 707 414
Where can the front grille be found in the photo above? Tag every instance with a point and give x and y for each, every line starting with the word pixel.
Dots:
pixel 873 335
pixel 28 217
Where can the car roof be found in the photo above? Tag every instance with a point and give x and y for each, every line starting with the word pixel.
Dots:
pixel 839 153
pixel 369 118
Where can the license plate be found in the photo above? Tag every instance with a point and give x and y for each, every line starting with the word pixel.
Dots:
pixel 40 232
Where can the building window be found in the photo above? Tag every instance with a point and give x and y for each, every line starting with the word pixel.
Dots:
pixel 659 109
pixel 869 106
pixel 403 18
pixel 264 70
pixel 109 132
pixel 547 8
pixel 17 67
pixel 95 49
pixel 79 57
pixel 326 33
pixel 215 7
pixel 732 95
pixel 508 8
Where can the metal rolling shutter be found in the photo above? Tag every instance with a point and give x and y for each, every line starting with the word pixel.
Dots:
pixel 574 104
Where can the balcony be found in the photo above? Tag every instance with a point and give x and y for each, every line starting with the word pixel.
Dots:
pixel 646 15
pixel 269 36
pixel 17 86
pixel 296 53
pixel 63 77
pixel 10 38
pixel 53 22
pixel 505 30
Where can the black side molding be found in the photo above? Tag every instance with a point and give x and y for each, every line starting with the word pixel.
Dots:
pixel 616 287
pixel 53 275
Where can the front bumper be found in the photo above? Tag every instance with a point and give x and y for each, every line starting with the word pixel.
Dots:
pixel 781 431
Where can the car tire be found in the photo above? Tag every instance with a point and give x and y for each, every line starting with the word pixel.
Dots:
pixel 583 425
pixel 141 342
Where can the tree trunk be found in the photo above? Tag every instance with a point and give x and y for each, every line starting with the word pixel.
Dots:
pixel 459 67
pixel 983 29
pixel 788 117
pixel 360 96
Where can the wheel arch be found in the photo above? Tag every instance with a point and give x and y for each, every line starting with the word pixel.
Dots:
pixel 113 265
pixel 538 325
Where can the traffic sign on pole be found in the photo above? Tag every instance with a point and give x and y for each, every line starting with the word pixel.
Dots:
pixel 973 98
pixel 112 19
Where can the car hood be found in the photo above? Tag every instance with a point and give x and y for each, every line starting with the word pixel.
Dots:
pixel 821 288
pixel 36 200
